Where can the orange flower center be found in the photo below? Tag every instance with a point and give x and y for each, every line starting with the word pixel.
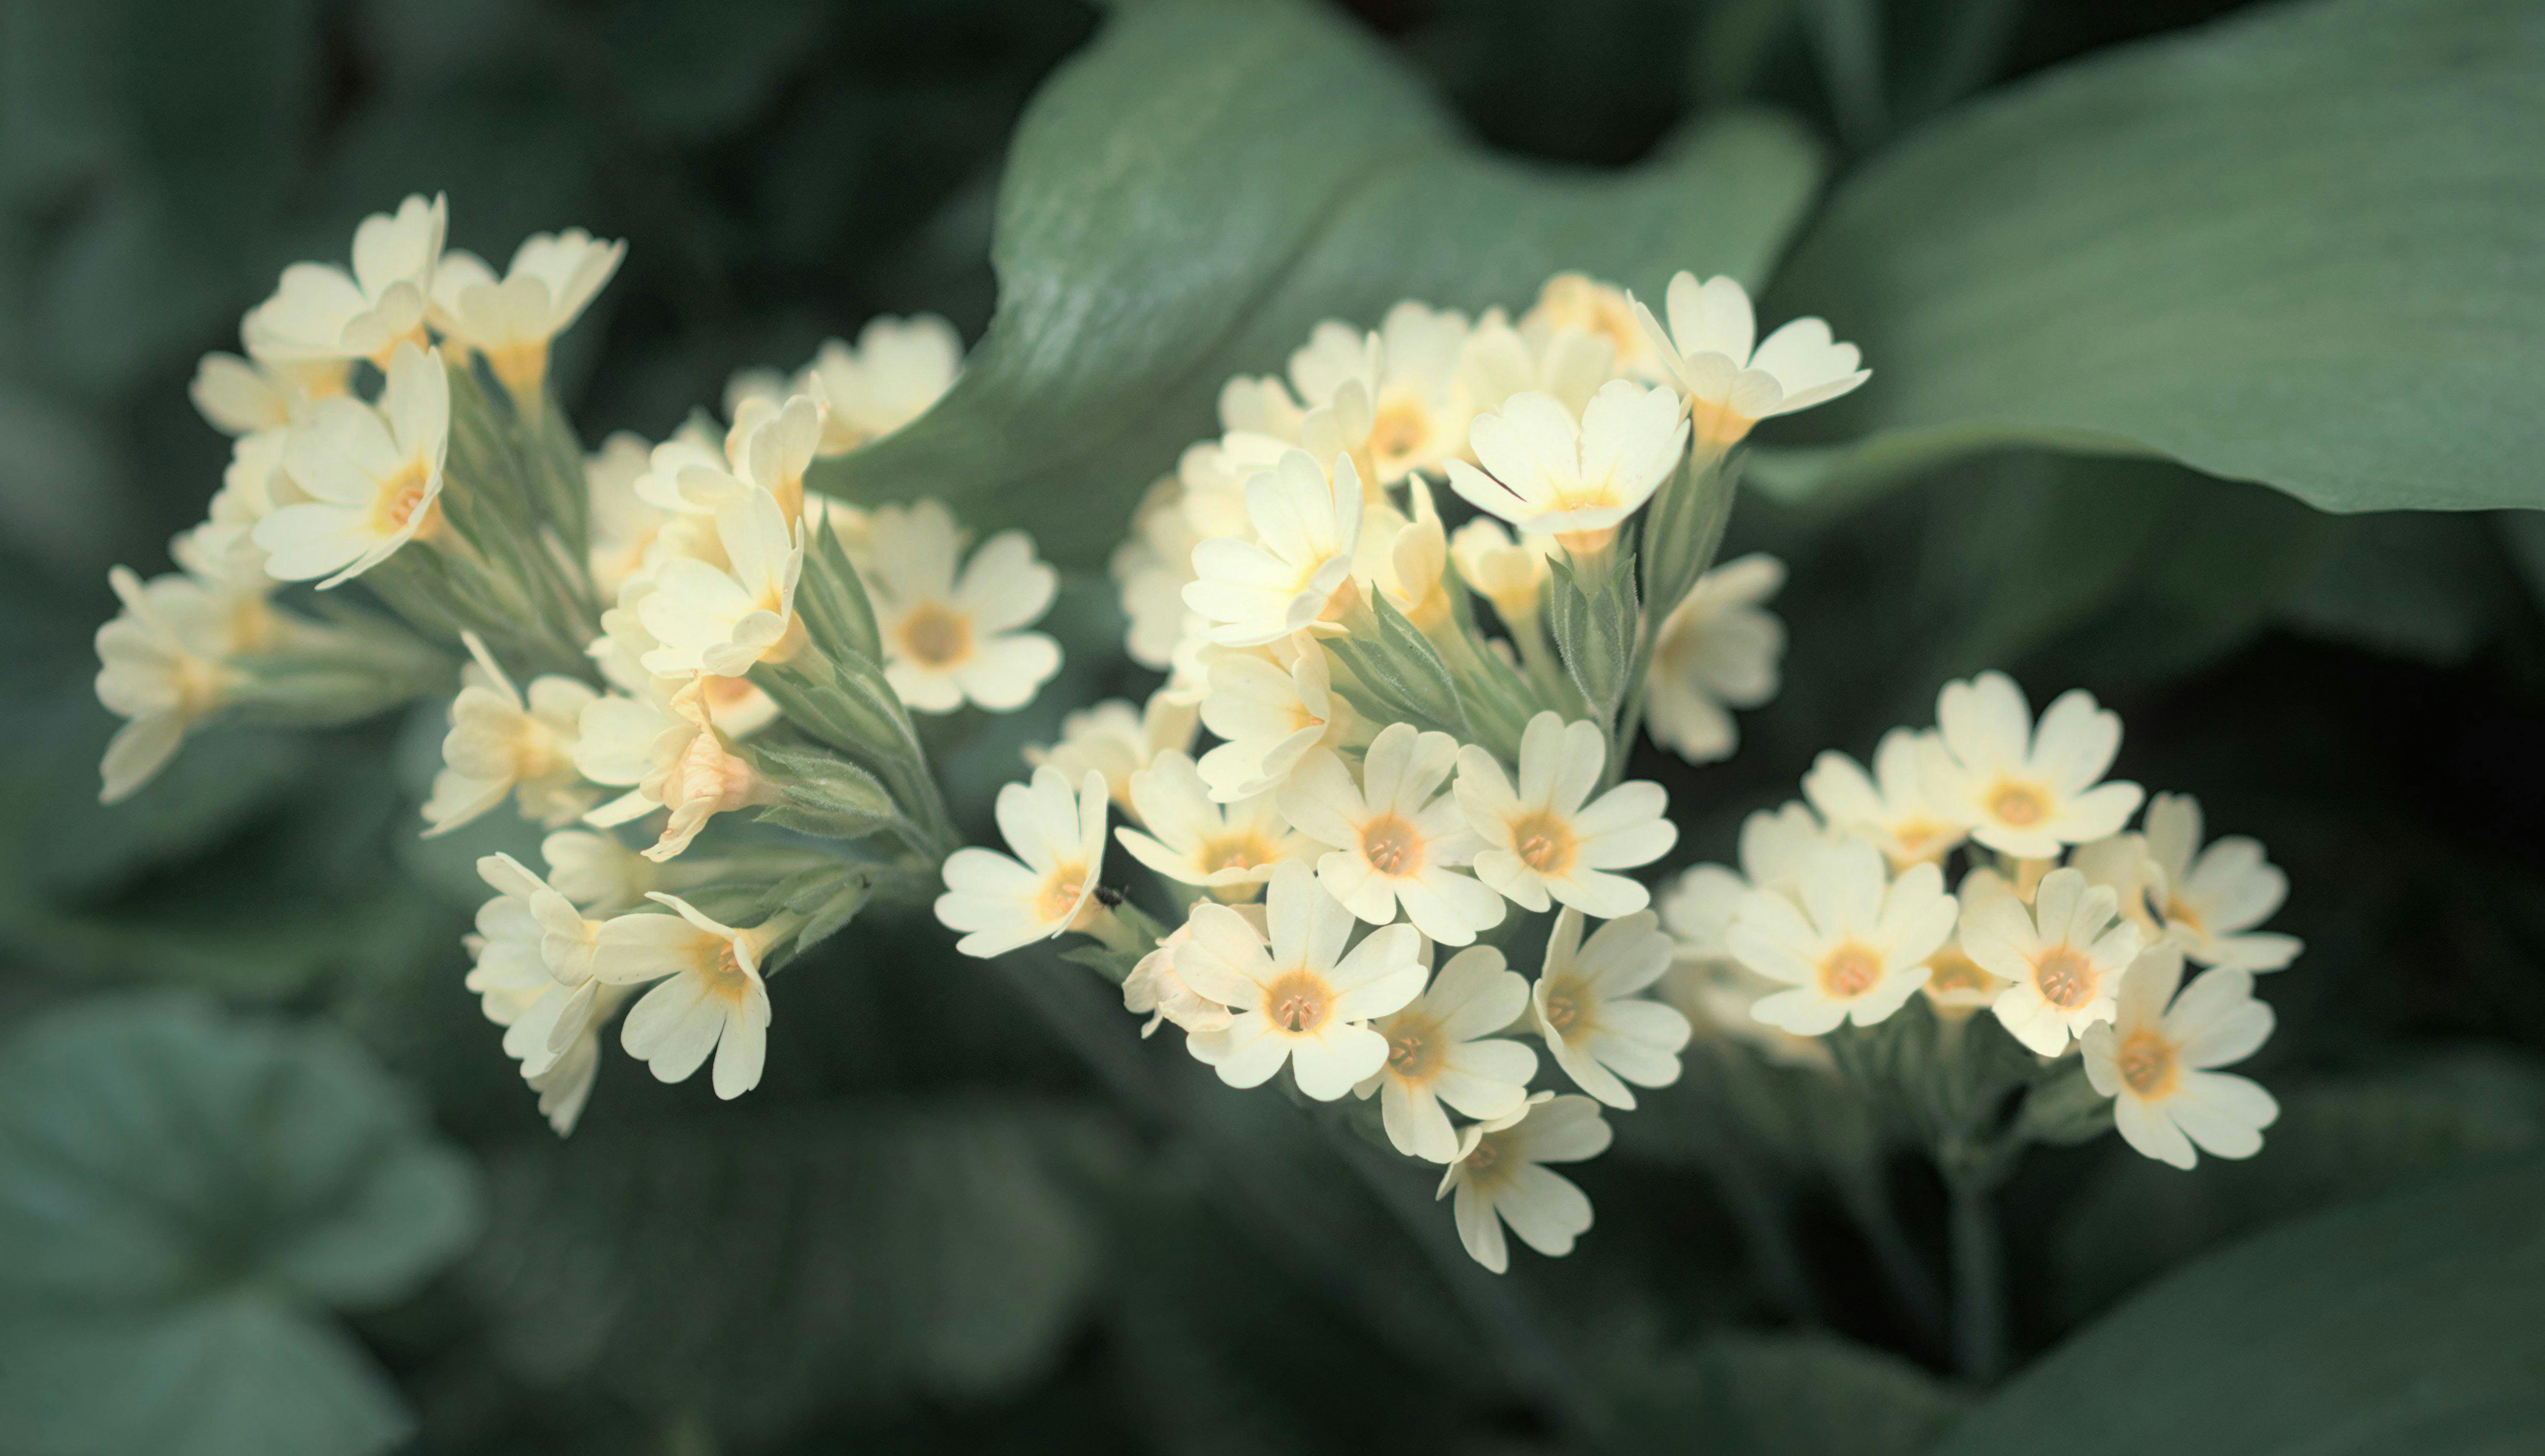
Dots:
pixel 1414 1050
pixel 1544 843
pixel 1300 1001
pixel 1061 891
pixel 1850 971
pixel 2018 804
pixel 1393 845
pixel 935 637
pixel 2065 978
pixel 2147 1064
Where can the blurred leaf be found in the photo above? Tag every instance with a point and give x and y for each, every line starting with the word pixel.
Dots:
pixel 1194 192
pixel 182 1196
pixel 2335 1141
pixel 2294 248
pixel 2404 1326
pixel 1792 1395
pixel 760 1270
pixel 687 70
pixel 2408 584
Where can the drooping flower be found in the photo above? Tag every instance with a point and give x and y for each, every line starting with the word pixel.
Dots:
pixel 533 959
pixel 1154 989
pixel 2064 955
pixel 2157 1061
pixel 1298 996
pixel 2024 791
pixel 1293 575
pixel 1056 832
pixel 673 755
pixel 707 998
pixel 1719 649
pixel 1549 841
pixel 321 313
pixel 511 321
pixel 248 397
pixel 1588 1004
pixel 721 620
pixel 2213 898
pixel 948 639
pixel 1226 848
pixel 1442 1048
pixel 597 872
pixel 1854 949
pixel 163 665
pixel 1118 740
pixel 371 477
pixel 1269 716
pixel 1500 1178
pixel 1394 838
pixel 502 742
pixel 1546 473
pixel 1730 386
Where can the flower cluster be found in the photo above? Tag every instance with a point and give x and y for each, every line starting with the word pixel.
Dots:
pixel 2069 927
pixel 662 636
pixel 1390 781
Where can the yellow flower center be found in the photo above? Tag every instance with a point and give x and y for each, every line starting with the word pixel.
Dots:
pixel 934 636
pixel 1952 973
pixel 400 499
pixel 2017 804
pixel 1061 891
pixel 2065 978
pixel 1716 422
pixel 705 772
pixel 1414 1050
pixel 2147 1064
pixel 726 981
pixel 2180 913
pixel 1850 971
pixel 1244 850
pixel 1391 845
pixel 1397 437
pixel 1563 1005
pixel 1300 1001
pixel 1544 843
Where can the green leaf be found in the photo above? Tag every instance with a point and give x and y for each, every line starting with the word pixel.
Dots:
pixel 1206 182
pixel 181 1196
pixel 2403 1325
pixel 2334 1142
pixel 760 1271
pixel 2297 247
pixel 1796 1395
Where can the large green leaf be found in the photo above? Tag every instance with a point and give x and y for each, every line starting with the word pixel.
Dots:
pixel 183 1196
pixel 2298 248
pixel 2406 1326
pixel 1796 1395
pixel 1205 183
pixel 752 1274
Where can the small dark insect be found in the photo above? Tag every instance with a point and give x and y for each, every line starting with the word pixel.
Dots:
pixel 1107 896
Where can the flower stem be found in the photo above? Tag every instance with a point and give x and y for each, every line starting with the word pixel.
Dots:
pixel 1979 1275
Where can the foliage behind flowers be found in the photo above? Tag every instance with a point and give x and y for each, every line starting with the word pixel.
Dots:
pixel 1302 624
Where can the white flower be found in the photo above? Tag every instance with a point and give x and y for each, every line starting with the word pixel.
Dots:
pixel 675 757
pixel 1150 568
pixel 566 1085
pixel 163 664
pixel 1418 404
pixel 1957 985
pixel 623 523
pixel 1294 574
pixel 720 621
pixel 1544 471
pixel 1117 741
pixel 1057 833
pixel 552 278
pixel 1889 806
pixel 533 955
pixel 596 871
pixel 947 639
pixel 1545 841
pixel 1154 989
pixel 770 447
pixel 2023 791
pixel 501 742
pixel 1856 947
pixel 1298 996
pixel 1500 1178
pixel 1409 560
pixel 1578 304
pixel 1718 649
pixel 1269 718
pixel 1512 575
pixel 1193 840
pixel 2157 1061
pixel 1543 357
pixel 710 996
pixel 372 478
pixel 1729 385
pixel 320 313
pixel 1442 1048
pixel 898 369
pixel 1396 838
pixel 2213 898
pixel 1587 1005
pixel 246 398
pixel 1777 849
pixel 2064 954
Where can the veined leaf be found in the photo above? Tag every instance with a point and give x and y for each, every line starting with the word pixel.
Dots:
pixel 1204 184
pixel 2297 247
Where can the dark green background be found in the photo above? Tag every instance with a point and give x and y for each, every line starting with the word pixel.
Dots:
pixel 965 1210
